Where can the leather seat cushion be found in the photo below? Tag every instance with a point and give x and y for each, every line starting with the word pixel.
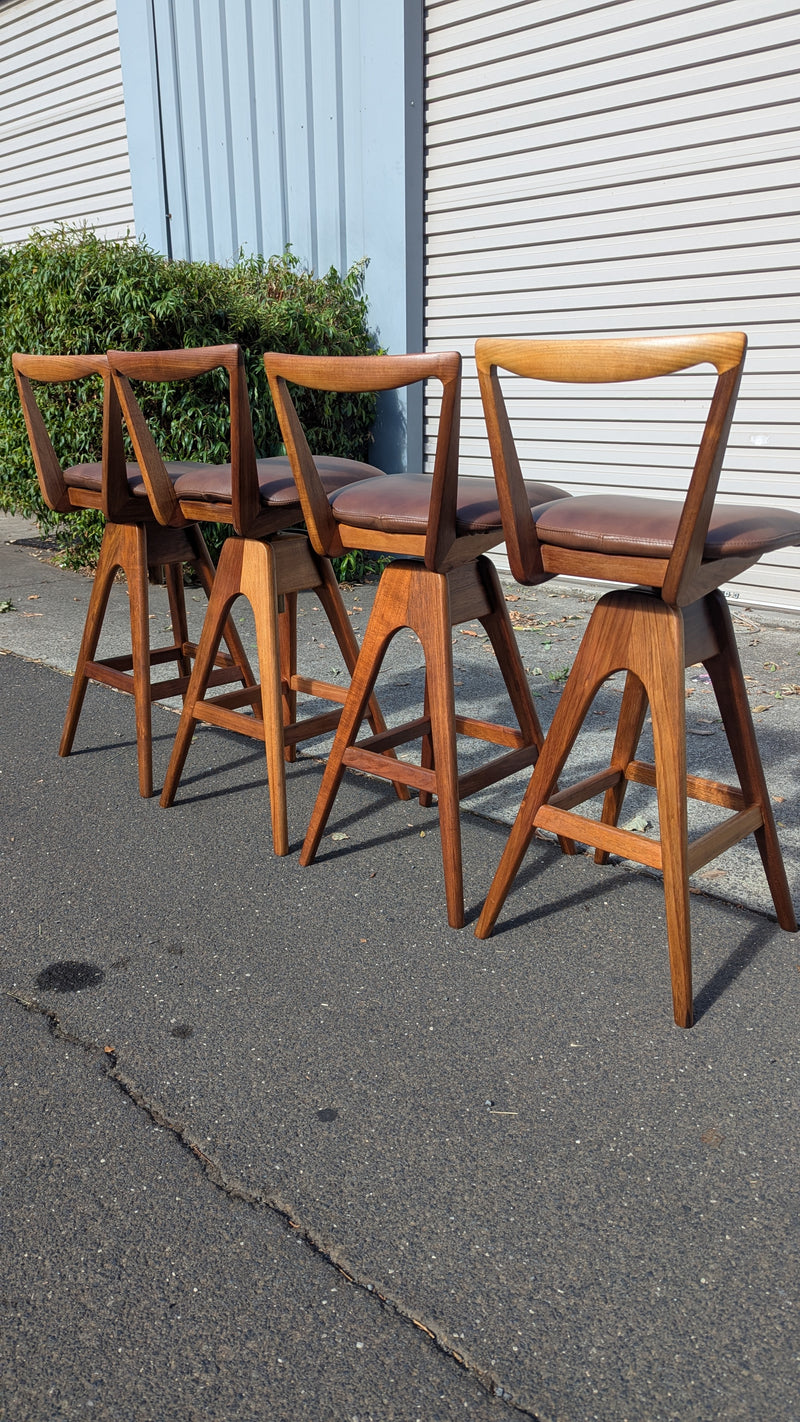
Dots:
pixel 399 503
pixel 640 527
pixel 90 476
pixel 278 486
pixel 212 482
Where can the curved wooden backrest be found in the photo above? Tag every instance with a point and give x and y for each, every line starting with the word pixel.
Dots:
pixel 605 361
pixel 610 358
pixel 157 366
pixel 58 369
pixel 367 374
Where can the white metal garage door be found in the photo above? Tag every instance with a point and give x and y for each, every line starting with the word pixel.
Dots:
pixel 622 167
pixel 63 144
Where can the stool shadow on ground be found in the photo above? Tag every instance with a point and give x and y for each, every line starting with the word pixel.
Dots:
pixel 762 935
pixel 562 904
pixel 755 937
pixel 362 846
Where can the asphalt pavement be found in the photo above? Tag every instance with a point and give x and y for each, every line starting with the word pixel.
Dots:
pixel 278 1143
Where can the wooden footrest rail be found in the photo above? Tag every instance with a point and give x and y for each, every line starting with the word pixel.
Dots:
pixel 558 816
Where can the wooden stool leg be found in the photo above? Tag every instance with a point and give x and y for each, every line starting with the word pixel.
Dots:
pixel 206 572
pixel 593 664
pixel 430 619
pixel 389 613
pixel 727 681
pixel 428 757
pixel 134 540
pixel 553 756
pixel 629 729
pixel 259 586
pixel 331 600
pixel 173 573
pixel 497 626
pixel 246 568
pixel 287 646
pixel 516 847
pixel 109 560
pixel 664 681
pixel 222 592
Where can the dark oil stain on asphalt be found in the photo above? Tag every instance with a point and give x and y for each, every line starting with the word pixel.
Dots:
pixel 69 976
pixel 328 1113
pixel 182 1030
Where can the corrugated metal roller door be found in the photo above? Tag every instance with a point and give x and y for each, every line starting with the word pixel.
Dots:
pixel 63 142
pixel 602 169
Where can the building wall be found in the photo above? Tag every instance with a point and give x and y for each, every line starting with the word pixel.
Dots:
pixel 254 124
pixel 63 145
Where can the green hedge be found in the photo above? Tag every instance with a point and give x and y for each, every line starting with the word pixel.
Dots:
pixel 71 292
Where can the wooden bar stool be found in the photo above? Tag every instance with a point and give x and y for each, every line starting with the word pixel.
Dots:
pixel 678 554
pixel 437 527
pixel 134 542
pixel 261 562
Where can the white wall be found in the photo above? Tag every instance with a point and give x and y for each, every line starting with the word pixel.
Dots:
pixel 622 168
pixel 63 145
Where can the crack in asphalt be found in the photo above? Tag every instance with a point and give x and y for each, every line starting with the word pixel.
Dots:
pixel 255 1201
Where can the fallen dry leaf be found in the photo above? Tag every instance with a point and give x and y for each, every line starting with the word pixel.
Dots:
pixel 712 1137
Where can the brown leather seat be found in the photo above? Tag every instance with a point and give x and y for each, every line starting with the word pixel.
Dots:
pixel 276 486
pixel 439 526
pixel 637 527
pixel 90 477
pixel 192 479
pixel 134 541
pixel 258 498
pixel 403 506
pixel 678 553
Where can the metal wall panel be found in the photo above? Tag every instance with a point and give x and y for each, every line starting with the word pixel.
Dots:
pixel 63 145
pixel 254 124
pixel 622 167
pixel 262 111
